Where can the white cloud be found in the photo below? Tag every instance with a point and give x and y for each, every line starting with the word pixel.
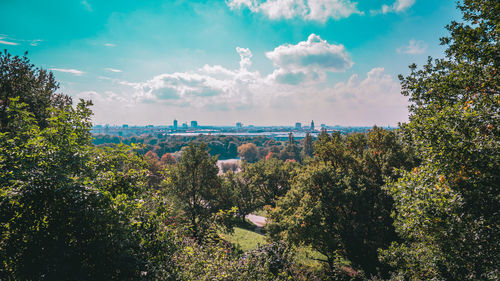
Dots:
pixel 35 42
pixel 8 43
pixel 5 42
pixel 308 60
pixel 72 71
pixel 314 10
pixel 398 6
pixel 245 57
pixel 297 88
pixel 109 45
pixel 414 47
pixel 113 70
pixel 402 5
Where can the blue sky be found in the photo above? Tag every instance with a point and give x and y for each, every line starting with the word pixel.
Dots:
pixel 261 62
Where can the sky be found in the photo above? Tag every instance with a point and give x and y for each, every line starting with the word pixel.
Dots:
pixel 259 62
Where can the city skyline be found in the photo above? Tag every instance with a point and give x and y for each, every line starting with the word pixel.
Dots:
pixel 256 62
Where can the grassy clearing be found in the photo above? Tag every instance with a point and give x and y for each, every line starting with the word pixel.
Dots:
pixel 249 240
pixel 246 239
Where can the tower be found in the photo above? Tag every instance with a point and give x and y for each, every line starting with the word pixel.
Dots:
pixel 175 124
pixel 312 125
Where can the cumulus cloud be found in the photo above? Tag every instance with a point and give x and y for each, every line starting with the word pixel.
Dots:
pixel 296 86
pixel 414 47
pixel 70 70
pixel 308 60
pixel 314 10
pixel 245 57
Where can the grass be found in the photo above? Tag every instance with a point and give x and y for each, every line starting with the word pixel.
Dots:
pixel 245 239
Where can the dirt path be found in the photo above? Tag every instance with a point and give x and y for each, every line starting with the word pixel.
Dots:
pixel 257 220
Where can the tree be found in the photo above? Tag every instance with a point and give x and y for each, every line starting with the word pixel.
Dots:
pixel 33 86
pixel 248 152
pixel 232 150
pixel 447 208
pixel 52 218
pixel 68 210
pixel 307 150
pixel 196 185
pixel 242 195
pixel 268 179
pixel 336 203
pixel 168 159
pixel 291 151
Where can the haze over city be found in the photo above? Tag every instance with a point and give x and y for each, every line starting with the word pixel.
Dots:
pixel 221 62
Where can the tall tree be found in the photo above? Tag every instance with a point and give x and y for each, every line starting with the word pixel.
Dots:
pixel 307 150
pixel 447 209
pixel 196 185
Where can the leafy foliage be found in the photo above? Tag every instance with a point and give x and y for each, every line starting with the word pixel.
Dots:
pixel 196 184
pixel 336 204
pixel 447 209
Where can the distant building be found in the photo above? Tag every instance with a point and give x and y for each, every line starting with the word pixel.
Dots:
pixel 124 126
pixel 298 126
pixel 184 125
pixel 194 124
pixel 175 124
pixel 323 125
pixel 312 125
pixel 239 125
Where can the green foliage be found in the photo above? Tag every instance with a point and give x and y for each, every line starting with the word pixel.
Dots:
pixel 33 86
pixel 220 262
pixel 336 204
pixel 447 209
pixel 268 179
pixel 242 195
pixel 307 150
pixel 53 223
pixel 196 185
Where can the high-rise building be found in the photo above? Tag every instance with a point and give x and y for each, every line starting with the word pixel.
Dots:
pixel 184 125
pixel 194 124
pixel 175 124
pixel 312 125
pixel 239 125
pixel 298 126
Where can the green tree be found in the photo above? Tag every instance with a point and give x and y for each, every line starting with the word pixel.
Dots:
pixel 447 209
pixel 307 150
pixel 33 86
pixel 242 195
pixel 268 179
pixel 291 151
pixel 54 224
pixel 69 210
pixel 197 186
pixel 336 203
